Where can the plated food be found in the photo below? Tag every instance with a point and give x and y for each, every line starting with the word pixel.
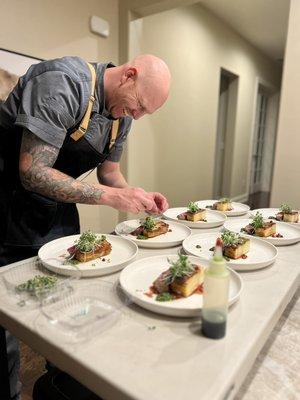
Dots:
pixel 234 245
pixel 225 205
pixel 241 253
pixel 195 217
pixel 181 279
pixel 86 255
pixel 88 247
pixel 138 278
pixel 150 228
pixel 285 234
pixel 260 227
pixel 193 213
pixel 156 234
pixel 285 213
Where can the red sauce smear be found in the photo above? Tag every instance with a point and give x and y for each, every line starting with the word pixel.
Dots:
pixel 278 235
pixel 199 289
pixel 243 256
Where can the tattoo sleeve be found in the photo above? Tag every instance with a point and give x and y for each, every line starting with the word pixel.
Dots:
pixel 37 175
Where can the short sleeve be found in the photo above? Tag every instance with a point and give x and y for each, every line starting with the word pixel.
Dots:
pixel 48 106
pixel 116 153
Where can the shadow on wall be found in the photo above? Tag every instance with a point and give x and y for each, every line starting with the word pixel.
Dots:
pixel 7 83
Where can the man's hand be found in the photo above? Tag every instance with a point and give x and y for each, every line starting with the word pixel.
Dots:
pixel 134 200
pixel 161 203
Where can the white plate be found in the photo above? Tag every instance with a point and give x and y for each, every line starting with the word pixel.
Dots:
pixel 137 278
pixel 260 255
pixel 238 208
pixel 290 234
pixel 169 239
pixel 123 252
pixel 214 218
pixel 271 212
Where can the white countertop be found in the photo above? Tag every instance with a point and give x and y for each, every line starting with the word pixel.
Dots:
pixel 172 361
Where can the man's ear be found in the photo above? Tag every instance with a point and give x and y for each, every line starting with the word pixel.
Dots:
pixel 130 73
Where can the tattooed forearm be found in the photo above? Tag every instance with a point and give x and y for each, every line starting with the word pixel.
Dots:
pixel 36 174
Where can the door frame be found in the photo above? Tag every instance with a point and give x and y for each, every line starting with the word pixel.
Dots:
pixel 272 90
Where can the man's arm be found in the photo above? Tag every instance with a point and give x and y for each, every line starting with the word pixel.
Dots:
pixel 38 175
pixel 109 174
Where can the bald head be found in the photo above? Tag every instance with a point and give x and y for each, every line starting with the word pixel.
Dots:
pixel 154 76
pixel 138 87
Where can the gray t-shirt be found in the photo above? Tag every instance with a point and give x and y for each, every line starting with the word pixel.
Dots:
pixel 51 99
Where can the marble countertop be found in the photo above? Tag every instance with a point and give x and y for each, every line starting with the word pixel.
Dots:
pixel 172 361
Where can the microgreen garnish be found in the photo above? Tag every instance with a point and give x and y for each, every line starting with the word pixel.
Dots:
pixel 224 200
pixel 88 241
pixel 164 297
pixel 285 208
pixel 229 238
pixel 38 284
pixel 180 268
pixel 149 223
pixel 142 237
pixel 258 221
pixel 193 207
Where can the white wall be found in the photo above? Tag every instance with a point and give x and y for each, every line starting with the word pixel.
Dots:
pixel 55 28
pixel 173 150
pixel 286 178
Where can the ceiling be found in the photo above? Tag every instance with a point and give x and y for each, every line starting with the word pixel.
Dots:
pixel 262 22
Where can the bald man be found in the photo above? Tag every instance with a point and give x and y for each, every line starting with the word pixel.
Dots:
pixel 43 155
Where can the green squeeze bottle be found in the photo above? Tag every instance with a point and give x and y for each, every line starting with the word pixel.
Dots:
pixel 215 295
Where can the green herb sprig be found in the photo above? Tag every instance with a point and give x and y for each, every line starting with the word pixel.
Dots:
pixel 88 241
pixel 230 238
pixel 164 297
pixel 193 207
pixel 180 268
pixel 149 224
pixel 258 221
pixel 224 200
pixel 285 208
pixel 37 285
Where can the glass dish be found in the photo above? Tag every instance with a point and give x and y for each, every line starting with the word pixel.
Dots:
pixel 28 284
pixel 86 310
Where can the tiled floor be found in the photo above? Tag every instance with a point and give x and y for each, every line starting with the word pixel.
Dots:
pixel 32 366
pixel 275 374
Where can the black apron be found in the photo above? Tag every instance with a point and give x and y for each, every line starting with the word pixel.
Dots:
pixel 29 220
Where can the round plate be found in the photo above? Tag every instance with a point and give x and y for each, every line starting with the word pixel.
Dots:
pixel 290 234
pixel 52 256
pixel 174 238
pixel 260 255
pixel 238 208
pixel 137 278
pixel 214 218
pixel 271 212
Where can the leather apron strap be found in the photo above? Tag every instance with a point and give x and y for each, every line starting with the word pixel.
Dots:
pixel 85 120
pixel 114 133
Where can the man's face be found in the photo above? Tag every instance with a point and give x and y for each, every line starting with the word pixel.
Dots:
pixel 127 100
